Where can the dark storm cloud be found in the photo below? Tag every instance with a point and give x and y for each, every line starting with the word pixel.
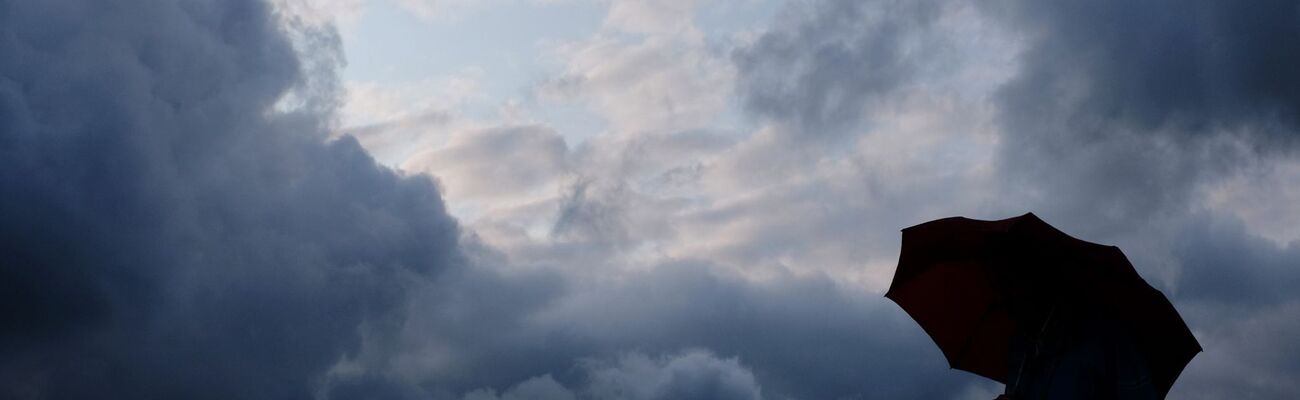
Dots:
pixel 1176 67
pixel 822 65
pixel 1115 106
pixel 1122 107
pixel 798 337
pixel 164 233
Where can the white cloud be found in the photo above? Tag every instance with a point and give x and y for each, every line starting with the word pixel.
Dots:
pixel 648 71
pixel 396 121
pixel 323 11
pixel 433 10
pixel 652 16
pixel 497 164
pixel 656 84
pixel 1264 196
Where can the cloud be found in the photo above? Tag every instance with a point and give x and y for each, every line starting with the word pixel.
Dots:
pixel 322 12
pixel 539 388
pixel 691 375
pixel 179 224
pixel 643 208
pixel 1123 123
pixel 642 79
pixel 394 120
pixel 634 376
pixel 431 11
pixel 170 232
pixel 1134 105
pixel 488 330
pixel 1245 354
pixel 1129 121
pixel 801 337
pixel 1227 265
pixel 1179 68
pixel 1236 289
pixel 651 17
pixel 497 161
pixel 1260 195
pixel 821 67
pixel 1040 120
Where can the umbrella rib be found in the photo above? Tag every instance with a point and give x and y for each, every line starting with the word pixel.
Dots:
pixel 943 303
pixel 1020 370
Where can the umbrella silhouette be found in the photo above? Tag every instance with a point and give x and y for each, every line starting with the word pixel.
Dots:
pixel 961 280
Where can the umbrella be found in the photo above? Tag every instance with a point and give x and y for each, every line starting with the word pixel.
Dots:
pixel 952 275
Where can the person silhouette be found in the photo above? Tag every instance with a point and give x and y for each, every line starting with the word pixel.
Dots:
pixel 1064 350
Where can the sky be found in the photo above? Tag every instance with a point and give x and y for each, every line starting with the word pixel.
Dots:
pixel 615 199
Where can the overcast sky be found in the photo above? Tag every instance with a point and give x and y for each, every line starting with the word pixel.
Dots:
pixel 615 199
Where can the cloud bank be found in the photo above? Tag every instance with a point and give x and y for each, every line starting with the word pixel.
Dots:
pixel 168 233
pixel 182 216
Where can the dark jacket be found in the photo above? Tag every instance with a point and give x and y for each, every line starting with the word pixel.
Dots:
pixel 1078 356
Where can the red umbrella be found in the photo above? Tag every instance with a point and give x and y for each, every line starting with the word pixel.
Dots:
pixel 952 279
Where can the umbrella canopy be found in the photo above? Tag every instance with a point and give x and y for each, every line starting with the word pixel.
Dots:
pixel 953 278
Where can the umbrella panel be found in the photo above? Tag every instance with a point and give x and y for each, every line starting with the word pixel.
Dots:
pixel 946 282
pixel 955 303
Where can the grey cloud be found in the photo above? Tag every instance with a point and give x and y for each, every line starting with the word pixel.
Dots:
pixel 1238 290
pixel 801 337
pixel 487 332
pixel 1224 263
pixel 1246 353
pixel 1177 67
pixel 539 388
pixel 1104 188
pixel 823 64
pixel 590 214
pixel 1124 107
pixel 1100 108
pixel 166 235
pixel 689 375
